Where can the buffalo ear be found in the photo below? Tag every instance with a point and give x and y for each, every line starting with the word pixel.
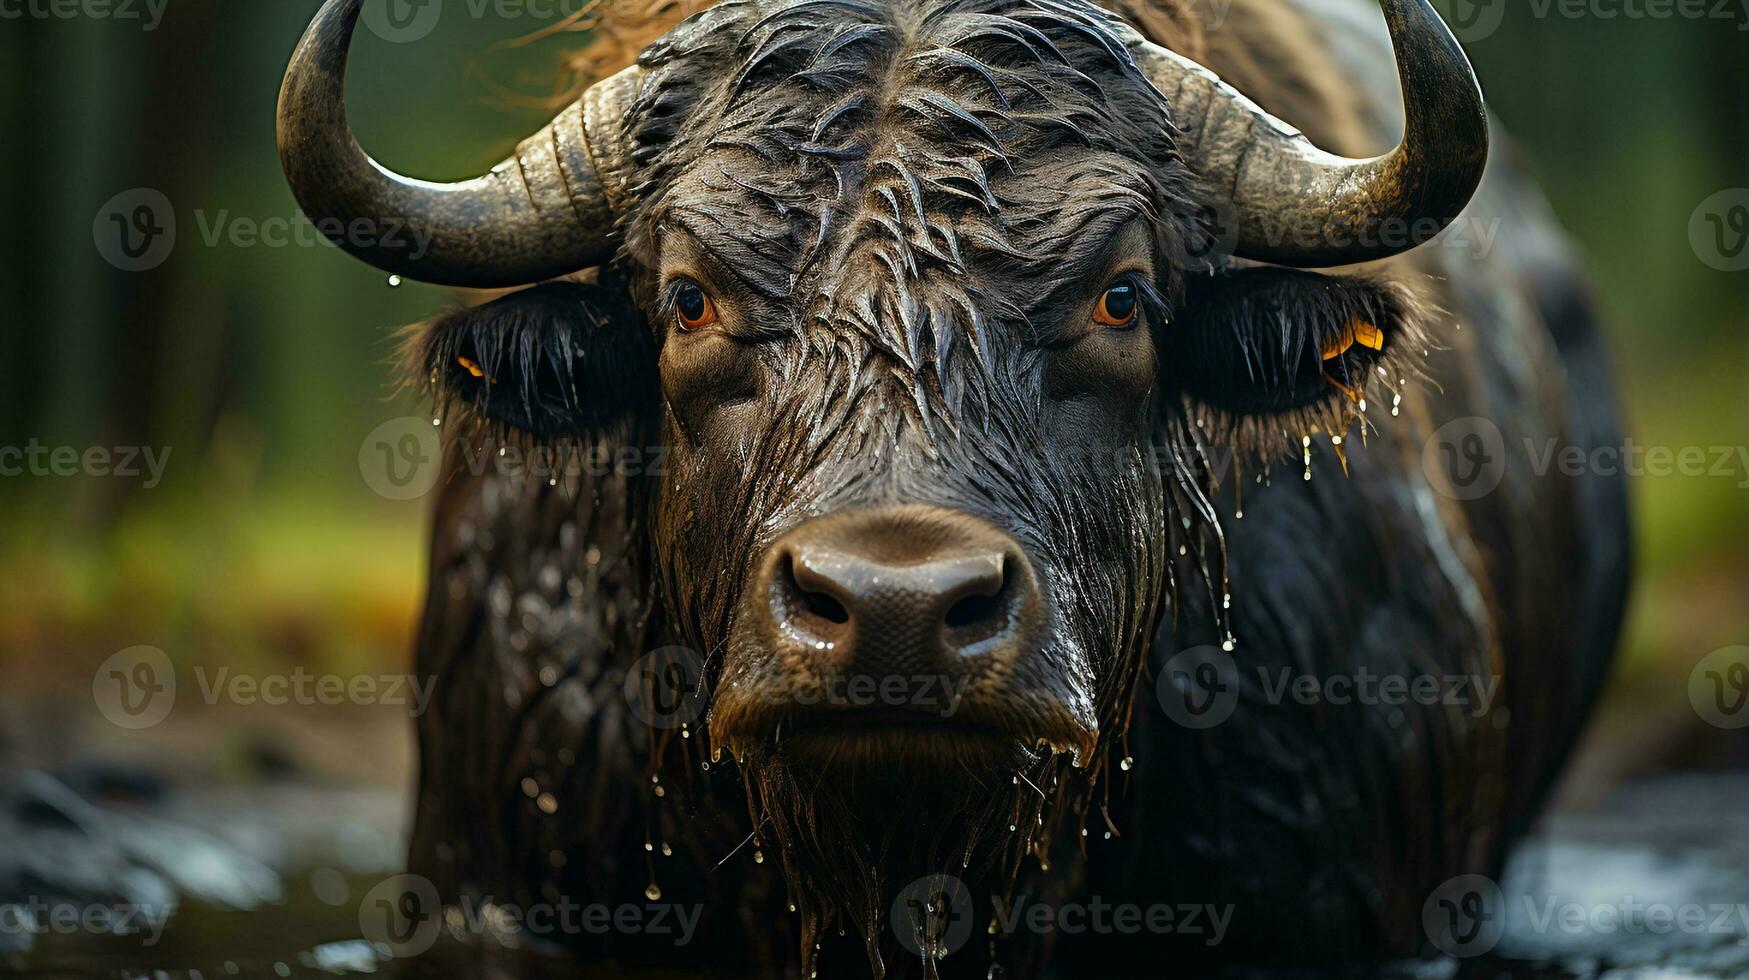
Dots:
pixel 1270 341
pixel 564 360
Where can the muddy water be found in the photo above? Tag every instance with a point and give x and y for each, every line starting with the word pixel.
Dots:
pixel 1583 899
pixel 268 868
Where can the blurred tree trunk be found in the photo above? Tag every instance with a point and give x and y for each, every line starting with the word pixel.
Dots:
pixel 176 130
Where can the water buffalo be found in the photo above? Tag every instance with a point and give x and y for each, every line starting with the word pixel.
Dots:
pixel 999 515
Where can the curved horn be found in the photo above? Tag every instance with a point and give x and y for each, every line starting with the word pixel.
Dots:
pixel 547 211
pixel 1297 205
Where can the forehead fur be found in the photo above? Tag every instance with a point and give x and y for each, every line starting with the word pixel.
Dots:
pixel 891 168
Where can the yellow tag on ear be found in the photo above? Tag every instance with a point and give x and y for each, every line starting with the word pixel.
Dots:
pixel 1338 345
pixel 1366 334
pixel 472 368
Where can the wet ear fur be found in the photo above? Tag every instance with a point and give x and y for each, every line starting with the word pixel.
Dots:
pixel 560 361
pixel 1259 351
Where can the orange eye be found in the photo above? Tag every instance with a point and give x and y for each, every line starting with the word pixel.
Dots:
pixel 1118 307
pixel 694 307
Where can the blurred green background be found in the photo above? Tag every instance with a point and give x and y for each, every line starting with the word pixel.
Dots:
pixel 262 369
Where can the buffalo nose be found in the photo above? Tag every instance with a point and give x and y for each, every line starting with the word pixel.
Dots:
pixel 911 590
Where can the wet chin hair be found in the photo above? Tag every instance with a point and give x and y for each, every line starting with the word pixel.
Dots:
pixel 855 839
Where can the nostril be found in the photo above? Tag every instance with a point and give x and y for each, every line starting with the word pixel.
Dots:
pixel 813 602
pixel 985 611
pixel 826 607
pixel 973 610
pixel 984 600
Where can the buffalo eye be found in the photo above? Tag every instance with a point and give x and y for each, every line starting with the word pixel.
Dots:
pixel 1118 305
pixel 693 307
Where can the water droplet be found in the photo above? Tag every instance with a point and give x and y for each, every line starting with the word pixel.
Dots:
pixel 792 906
pixel 653 893
pixel 1228 644
pixel 1182 551
pixel 437 421
pixel 758 856
pixel 649 848
pixel 1127 764
pixel 667 851
pixel 1335 440
pixel 394 282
